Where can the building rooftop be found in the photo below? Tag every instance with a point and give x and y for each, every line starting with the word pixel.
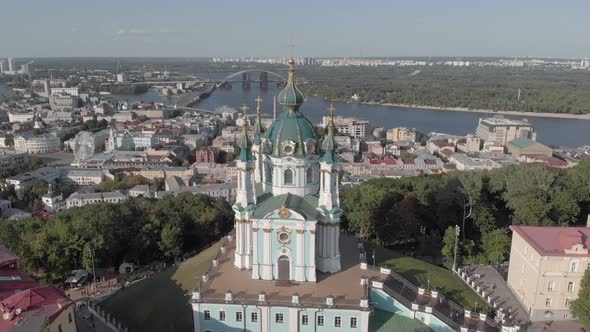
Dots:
pixel 498 121
pixel 6 257
pixel 556 241
pixel 522 142
pixel 226 277
pixel 38 305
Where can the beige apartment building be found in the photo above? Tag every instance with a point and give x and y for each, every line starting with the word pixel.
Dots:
pixel 546 268
pixel 502 130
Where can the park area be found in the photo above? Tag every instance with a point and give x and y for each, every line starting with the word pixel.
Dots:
pixel 160 303
pixel 424 274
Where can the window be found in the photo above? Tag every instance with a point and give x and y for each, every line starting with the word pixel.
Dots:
pixel 254 317
pixel 288 176
pixel 222 316
pixel 353 322
pixel 279 318
pixel 69 317
pixel 239 316
pixel 309 175
pixel 338 321
pixel 551 286
pixel 548 302
pixel 567 302
pixel 207 314
pixel 305 320
pixel 571 286
pixel 59 329
pixel 320 320
pixel 574 267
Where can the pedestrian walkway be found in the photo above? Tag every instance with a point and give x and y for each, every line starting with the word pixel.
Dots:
pixel 85 322
pixel 489 280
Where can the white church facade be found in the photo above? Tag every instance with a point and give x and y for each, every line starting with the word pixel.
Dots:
pixel 287 266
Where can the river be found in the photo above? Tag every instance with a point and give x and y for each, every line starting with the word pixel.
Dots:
pixel 550 131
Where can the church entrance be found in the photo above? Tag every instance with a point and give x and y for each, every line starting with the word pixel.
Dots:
pixel 284 267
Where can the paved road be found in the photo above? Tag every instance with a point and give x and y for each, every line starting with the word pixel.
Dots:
pixel 556 326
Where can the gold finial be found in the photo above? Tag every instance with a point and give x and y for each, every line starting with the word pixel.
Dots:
pixel 245 108
pixel 258 101
pixel 331 109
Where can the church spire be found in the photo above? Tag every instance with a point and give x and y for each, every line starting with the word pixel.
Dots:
pixel 244 143
pixel 291 97
pixel 329 142
pixel 258 128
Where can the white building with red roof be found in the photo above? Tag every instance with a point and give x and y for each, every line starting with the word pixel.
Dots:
pixel 546 267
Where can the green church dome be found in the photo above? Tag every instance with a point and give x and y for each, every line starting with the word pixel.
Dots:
pixel 291 125
pixel 291 96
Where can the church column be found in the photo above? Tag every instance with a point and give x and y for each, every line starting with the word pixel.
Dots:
pixel 255 272
pixel 300 262
pixel 248 243
pixel 267 267
pixel 312 257
pixel 238 261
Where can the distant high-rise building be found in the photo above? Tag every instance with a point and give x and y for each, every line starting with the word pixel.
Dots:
pixel 1 66
pixel 501 130
pixel 11 65
pixel 24 69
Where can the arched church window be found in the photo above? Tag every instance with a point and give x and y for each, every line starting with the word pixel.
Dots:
pixel 309 175
pixel 268 173
pixel 288 176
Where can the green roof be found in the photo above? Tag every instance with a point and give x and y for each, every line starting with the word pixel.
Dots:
pixel 290 125
pixel 522 142
pixel 306 206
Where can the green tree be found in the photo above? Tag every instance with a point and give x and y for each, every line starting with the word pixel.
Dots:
pixel 39 187
pixel 171 240
pixel 581 306
pixel 36 163
pixel 9 141
pixel 496 245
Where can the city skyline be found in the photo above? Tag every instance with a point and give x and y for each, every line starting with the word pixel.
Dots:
pixel 331 29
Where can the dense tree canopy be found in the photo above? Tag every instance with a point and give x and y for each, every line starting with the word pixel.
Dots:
pixel 392 211
pixel 494 88
pixel 139 230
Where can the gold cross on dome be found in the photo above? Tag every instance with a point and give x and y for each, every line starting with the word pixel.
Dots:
pixel 258 101
pixel 291 46
pixel 245 108
pixel 331 109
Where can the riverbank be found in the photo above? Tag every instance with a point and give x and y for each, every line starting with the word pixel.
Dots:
pixel 494 112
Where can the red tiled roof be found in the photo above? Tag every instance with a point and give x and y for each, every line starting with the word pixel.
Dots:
pixel 555 162
pixel 553 241
pixel 12 281
pixel 7 257
pixel 42 214
pixel 385 161
pixel 44 301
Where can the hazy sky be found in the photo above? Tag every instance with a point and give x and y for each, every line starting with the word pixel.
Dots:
pixel 191 28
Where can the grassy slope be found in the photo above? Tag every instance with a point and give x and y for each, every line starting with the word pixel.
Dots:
pixel 420 273
pixel 161 303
